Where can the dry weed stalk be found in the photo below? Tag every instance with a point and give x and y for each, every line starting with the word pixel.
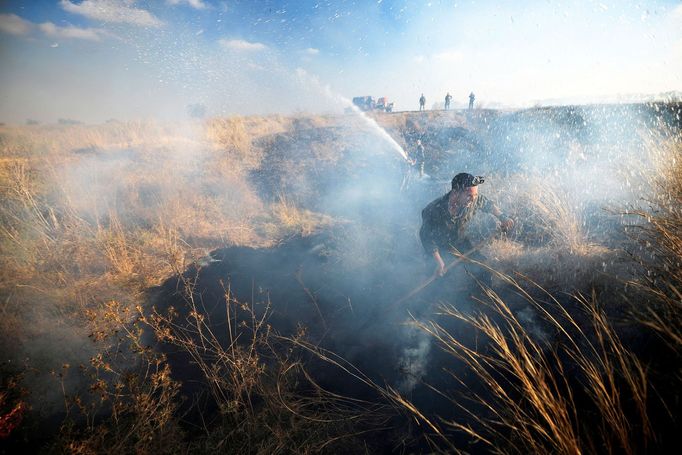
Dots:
pixel 127 410
pixel 266 400
pixel 531 399
pixel 660 235
pixel 553 215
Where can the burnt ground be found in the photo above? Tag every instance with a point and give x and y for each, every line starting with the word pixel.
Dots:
pixel 357 315
pixel 344 285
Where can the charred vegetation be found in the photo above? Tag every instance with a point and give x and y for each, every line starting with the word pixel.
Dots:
pixel 249 296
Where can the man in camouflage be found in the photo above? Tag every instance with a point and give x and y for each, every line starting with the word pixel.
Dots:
pixel 444 219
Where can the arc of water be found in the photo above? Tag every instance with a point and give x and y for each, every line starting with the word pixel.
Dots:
pixel 370 122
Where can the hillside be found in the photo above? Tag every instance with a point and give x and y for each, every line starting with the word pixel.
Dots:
pixel 269 270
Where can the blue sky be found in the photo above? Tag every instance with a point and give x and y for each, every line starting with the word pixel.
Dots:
pixel 98 59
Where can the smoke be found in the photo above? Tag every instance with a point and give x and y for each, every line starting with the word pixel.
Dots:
pixel 597 154
pixel 134 178
pixel 414 359
pixel 556 171
pixel 113 198
pixel 553 170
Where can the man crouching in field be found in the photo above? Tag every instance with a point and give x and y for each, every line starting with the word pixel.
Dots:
pixel 444 220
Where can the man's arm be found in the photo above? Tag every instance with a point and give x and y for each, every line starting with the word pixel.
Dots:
pixel 506 223
pixel 440 264
pixel 426 236
pixel 428 240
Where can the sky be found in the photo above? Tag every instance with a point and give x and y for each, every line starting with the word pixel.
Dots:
pixel 96 60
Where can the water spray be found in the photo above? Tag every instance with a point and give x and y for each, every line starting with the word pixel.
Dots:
pixel 370 122
pixel 375 127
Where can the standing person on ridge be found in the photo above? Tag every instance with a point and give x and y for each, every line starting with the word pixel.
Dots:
pixel 422 102
pixel 448 97
pixel 472 97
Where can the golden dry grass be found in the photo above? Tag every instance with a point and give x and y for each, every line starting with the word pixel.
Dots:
pixel 661 237
pixel 530 402
pixel 92 216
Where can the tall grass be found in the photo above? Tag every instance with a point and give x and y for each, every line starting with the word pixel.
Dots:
pixel 266 400
pixel 660 236
pixel 583 390
pixel 92 217
pixel 75 264
pixel 530 403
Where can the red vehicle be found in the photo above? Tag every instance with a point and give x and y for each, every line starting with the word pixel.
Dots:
pixel 367 103
pixel 384 105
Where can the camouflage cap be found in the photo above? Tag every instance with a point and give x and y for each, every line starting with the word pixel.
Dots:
pixel 464 180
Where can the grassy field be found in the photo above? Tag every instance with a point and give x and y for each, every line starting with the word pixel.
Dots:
pixel 94 217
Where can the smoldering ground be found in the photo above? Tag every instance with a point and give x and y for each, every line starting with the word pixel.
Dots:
pixel 72 238
pixel 341 278
pixel 565 174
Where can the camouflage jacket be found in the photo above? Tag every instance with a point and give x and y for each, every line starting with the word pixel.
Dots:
pixel 440 231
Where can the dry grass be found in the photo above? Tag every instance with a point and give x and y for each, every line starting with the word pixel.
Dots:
pixel 294 219
pixel 550 242
pixel 531 404
pixel 92 216
pixel 585 392
pixel 266 400
pixel 661 238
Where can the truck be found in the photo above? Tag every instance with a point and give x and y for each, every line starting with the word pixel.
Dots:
pixel 383 105
pixel 367 103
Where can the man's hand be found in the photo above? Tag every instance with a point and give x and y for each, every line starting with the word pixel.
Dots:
pixel 440 269
pixel 507 225
pixel 440 264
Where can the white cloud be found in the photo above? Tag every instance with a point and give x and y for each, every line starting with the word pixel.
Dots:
pixel 14 25
pixel 196 4
pixel 120 11
pixel 241 45
pixel 312 51
pixel 419 59
pixel 68 32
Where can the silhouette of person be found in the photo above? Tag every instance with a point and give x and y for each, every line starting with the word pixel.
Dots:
pixel 422 102
pixel 448 97
pixel 472 97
